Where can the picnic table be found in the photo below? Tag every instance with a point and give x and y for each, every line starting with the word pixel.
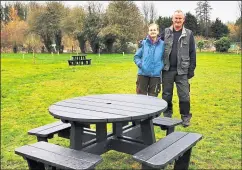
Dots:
pixel 86 146
pixel 117 109
pixel 79 60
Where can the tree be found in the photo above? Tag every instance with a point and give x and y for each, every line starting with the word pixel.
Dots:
pixel 223 44
pixel 15 30
pixel 39 23
pixel 218 29
pixel 32 42
pixel 45 21
pixel 56 10
pixel 108 35
pixel 5 12
pixel 238 22
pixel 4 37
pixel 240 8
pixel 127 20
pixel 152 13
pixel 21 9
pixel 149 13
pixel 93 25
pixel 73 26
pixel 200 45
pixel 2 13
pixel 163 23
pixel 234 32
pixel 145 12
pixel 203 11
pixel 191 22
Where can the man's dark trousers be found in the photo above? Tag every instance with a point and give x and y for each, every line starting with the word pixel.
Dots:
pixel 183 91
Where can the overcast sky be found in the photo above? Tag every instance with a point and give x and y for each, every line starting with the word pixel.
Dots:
pixel 224 10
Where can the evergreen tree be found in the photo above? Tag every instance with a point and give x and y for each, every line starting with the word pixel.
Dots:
pixel 218 29
pixel 203 11
pixel 191 23
pixel 164 22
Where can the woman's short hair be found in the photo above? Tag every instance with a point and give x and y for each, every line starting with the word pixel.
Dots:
pixel 154 24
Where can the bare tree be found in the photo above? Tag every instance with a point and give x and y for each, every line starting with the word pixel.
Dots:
pixel 145 11
pixel 94 7
pixel 240 8
pixel 152 12
pixel 149 13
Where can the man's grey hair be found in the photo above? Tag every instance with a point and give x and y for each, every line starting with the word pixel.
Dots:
pixel 179 11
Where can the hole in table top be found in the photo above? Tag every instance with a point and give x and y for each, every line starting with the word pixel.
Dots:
pixel 108 103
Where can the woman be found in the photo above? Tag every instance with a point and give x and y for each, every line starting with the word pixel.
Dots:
pixel 149 59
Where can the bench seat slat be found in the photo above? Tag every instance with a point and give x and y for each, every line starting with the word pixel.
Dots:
pixel 155 148
pixel 168 149
pixel 174 150
pixel 166 121
pixel 39 129
pixel 67 151
pixel 53 130
pixel 50 158
pixel 58 156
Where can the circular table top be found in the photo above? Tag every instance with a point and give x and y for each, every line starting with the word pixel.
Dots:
pixel 108 108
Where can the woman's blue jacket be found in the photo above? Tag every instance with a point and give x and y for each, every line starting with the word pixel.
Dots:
pixel 149 58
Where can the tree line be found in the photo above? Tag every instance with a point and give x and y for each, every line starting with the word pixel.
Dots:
pixel 51 26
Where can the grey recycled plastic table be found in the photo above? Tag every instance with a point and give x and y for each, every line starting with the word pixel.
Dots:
pixel 118 109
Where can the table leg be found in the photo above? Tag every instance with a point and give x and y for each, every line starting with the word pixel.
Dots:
pixel 101 132
pixel 147 131
pixel 183 161
pixel 76 135
pixel 117 129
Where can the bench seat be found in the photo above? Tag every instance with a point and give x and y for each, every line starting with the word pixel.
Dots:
pixel 80 62
pixel 43 133
pixel 176 147
pixel 42 153
pixel 166 123
pixel 71 62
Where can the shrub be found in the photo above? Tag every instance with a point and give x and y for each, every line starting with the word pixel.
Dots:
pixel 222 45
pixel 117 46
pixel 127 48
pixel 131 48
pixel 200 45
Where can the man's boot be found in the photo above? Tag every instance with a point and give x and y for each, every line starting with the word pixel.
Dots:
pixel 186 119
pixel 185 112
pixel 168 112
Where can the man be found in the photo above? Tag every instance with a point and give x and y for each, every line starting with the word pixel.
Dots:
pixel 179 65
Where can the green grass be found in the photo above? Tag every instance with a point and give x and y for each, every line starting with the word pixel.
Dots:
pixel 27 90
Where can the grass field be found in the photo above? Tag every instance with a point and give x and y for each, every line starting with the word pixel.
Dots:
pixel 27 90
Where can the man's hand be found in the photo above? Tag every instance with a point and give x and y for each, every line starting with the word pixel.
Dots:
pixel 190 74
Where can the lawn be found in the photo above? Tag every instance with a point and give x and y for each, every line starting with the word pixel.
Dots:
pixel 28 89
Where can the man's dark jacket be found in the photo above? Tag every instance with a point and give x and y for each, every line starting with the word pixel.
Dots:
pixel 186 52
